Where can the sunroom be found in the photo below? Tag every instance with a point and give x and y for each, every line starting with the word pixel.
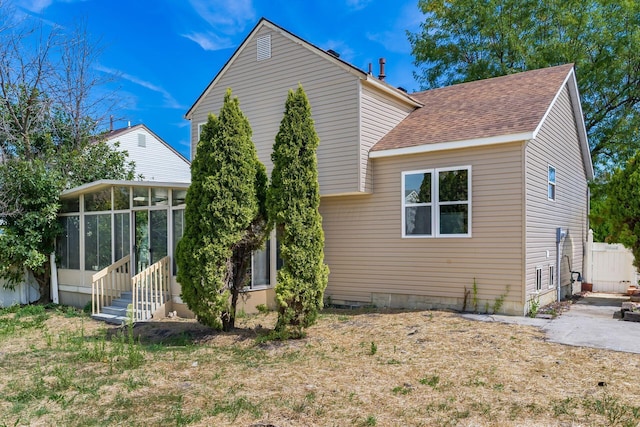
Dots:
pixel 120 237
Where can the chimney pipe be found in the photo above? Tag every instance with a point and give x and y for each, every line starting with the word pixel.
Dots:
pixel 111 123
pixel 382 75
pixel 370 68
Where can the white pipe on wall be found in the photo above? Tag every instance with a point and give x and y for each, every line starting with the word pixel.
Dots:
pixel 54 279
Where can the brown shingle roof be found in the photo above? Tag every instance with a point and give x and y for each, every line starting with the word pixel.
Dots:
pixel 500 106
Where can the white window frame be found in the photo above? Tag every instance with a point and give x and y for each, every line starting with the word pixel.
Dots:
pixel 552 184
pixel 538 278
pixel 552 276
pixel 199 130
pixel 435 203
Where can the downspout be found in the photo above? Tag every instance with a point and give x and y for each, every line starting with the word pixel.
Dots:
pixel 560 234
pixel 54 279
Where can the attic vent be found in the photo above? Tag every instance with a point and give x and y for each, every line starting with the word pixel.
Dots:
pixel 264 47
pixel 333 53
pixel 142 140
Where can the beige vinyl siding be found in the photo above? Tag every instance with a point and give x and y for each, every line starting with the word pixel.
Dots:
pixel 557 145
pixel 379 114
pixel 262 88
pixel 366 253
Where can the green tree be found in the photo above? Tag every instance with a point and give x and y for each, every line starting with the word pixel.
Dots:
pixel 48 121
pixel 293 200
pixel 621 205
pixel 225 217
pixel 466 40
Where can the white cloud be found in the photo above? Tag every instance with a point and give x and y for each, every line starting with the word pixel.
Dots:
pixel 357 4
pixel 35 6
pixel 38 6
pixel 169 100
pixel 395 39
pixel 225 16
pixel 210 41
pixel 346 53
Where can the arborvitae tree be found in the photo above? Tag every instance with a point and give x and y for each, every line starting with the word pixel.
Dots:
pixel 293 200
pixel 225 217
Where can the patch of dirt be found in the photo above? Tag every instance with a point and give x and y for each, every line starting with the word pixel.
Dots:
pixel 555 309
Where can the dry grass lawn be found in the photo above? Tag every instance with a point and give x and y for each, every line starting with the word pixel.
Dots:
pixel 355 368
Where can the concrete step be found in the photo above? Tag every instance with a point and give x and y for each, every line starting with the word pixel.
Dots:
pixel 110 318
pixel 115 310
pixel 121 302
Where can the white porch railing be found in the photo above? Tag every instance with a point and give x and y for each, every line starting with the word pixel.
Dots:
pixel 150 289
pixel 109 283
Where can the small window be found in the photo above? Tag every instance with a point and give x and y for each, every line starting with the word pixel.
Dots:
pixel 98 201
pixel 178 197
pixel 552 273
pixel 159 197
pixel 551 188
pixel 140 196
pixel 264 47
pixel 70 205
pixel 538 278
pixel 200 129
pixel 142 140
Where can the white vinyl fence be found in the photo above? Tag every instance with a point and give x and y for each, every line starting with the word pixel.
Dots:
pixel 24 293
pixel 609 267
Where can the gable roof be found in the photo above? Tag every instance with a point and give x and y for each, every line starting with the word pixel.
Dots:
pixel 502 109
pixel 381 85
pixel 114 134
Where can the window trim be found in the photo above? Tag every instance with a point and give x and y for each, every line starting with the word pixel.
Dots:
pixel 538 280
pixel 552 274
pixel 552 184
pixel 435 203
pixel 199 128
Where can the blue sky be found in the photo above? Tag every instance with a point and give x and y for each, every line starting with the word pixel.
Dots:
pixel 165 52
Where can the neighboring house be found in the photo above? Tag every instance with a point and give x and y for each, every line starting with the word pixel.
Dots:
pixel 155 159
pixel 425 195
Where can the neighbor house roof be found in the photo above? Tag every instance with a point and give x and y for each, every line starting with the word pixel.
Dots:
pixel 502 109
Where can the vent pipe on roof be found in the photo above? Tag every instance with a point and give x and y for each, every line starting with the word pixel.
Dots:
pixel 129 124
pixel 111 123
pixel 382 75
pixel 370 68
pixel 333 53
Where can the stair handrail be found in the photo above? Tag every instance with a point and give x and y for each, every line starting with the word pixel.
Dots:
pixel 109 283
pixel 150 288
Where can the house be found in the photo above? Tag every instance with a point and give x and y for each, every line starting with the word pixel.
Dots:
pixel 470 194
pixel 155 160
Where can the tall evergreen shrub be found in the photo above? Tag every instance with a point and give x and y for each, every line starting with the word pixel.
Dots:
pixel 225 217
pixel 293 200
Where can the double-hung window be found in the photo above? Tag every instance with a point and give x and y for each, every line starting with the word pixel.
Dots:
pixel 437 202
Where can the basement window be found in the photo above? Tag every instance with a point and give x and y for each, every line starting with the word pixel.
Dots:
pixel 552 272
pixel 538 278
pixel 264 47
